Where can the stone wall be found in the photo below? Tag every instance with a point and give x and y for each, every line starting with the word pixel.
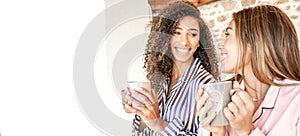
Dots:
pixel 218 14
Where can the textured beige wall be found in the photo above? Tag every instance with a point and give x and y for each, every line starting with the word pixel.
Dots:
pixel 218 14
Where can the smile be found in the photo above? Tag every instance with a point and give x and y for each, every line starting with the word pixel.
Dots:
pixel 223 57
pixel 182 50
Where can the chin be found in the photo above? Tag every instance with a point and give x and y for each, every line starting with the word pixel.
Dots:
pixel 227 70
pixel 182 59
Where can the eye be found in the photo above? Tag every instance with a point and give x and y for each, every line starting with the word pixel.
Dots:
pixel 176 33
pixel 226 34
pixel 194 34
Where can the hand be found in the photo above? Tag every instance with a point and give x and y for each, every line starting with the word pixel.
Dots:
pixel 205 121
pixel 127 105
pixel 239 112
pixel 149 111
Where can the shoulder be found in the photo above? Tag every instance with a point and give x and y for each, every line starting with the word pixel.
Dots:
pixel 200 76
pixel 289 93
pixel 203 77
pixel 289 85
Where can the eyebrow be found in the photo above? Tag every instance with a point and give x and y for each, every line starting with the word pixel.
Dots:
pixel 228 28
pixel 191 29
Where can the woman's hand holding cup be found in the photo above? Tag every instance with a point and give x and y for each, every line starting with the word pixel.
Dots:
pixel 127 102
pixel 144 103
pixel 240 110
pixel 201 99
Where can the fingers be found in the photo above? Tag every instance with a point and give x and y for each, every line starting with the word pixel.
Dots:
pixel 125 98
pixel 232 111
pixel 236 99
pixel 210 119
pixel 207 107
pixel 150 95
pixel 145 110
pixel 135 102
pixel 154 96
pixel 229 114
pixel 240 106
pixel 129 109
pixel 207 120
pixel 201 98
pixel 127 101
pixel 233 108
pixel 148 112
pixel 124 92
pixel 245 97
pixel 200 93
pixel 236 84
pixel 243 101
pixel 143 97
pixel 203 106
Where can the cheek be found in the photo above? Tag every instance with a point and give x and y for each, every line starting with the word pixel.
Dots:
pixel 194 43
pixel 172 42
pixel 195 46
pixel 229 64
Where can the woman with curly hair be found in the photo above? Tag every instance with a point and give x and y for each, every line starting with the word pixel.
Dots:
pixel 261 43
pixel 179 58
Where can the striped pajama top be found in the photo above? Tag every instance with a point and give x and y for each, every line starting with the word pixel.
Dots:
pixel 179 108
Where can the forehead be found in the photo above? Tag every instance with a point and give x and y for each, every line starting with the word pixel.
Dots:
pixel 188 22
pixel 232 25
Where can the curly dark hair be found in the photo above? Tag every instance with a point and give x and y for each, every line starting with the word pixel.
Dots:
pixel 158 56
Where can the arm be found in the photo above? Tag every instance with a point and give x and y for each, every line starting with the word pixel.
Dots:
pixel 167 128
pixel 149 115
pixel 298 127
pixel 139 128
pixel 173 127
pixel 256 132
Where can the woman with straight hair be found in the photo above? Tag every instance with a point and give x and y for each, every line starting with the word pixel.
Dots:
pixel 262 45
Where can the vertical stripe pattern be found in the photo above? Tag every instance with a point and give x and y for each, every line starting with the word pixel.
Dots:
pixel 179 108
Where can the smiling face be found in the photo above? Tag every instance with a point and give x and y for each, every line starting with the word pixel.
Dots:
pixel 185 40
pixel 231 52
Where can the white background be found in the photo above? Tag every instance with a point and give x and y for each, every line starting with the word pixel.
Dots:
pixel 38 39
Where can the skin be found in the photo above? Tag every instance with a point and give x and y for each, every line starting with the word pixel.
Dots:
pixel 184 42
pixel 240 110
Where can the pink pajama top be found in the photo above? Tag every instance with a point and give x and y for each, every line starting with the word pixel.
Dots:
pixel 278 114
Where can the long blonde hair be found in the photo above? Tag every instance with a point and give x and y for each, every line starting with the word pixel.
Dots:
pixel 273 41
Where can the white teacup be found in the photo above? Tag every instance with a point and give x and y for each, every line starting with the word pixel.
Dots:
pixel 220 94
pixel 137 86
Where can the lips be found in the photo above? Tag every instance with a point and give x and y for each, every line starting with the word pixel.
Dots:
pixel 223 57
pixel 182 50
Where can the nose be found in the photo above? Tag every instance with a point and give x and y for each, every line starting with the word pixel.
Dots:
pixel 184 39
pixel 221 44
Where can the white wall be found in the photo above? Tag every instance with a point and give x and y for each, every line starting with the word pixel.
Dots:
pixel 38 41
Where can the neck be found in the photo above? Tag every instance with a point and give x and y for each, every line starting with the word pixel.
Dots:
pixel 254 87
pixel 179 69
